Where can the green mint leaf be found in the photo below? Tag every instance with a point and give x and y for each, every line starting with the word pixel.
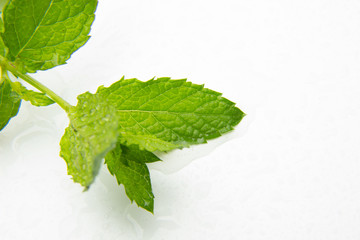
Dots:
pixel 174 111
pixel 41 34
pixel 36 98
pixel 9 103
pixel 128 166
pixel 93 131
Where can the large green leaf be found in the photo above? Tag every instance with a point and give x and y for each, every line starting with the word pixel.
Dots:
pixel 93 131
pixel 127 164
pixel 41 34
pixel 9 103
pixel 172 111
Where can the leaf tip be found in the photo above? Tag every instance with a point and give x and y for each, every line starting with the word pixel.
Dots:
pixel 148 206
pixel 86 188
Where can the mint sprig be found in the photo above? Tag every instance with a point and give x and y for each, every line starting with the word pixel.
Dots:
pixel 124 123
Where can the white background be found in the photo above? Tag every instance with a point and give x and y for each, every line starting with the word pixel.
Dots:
pixel 290 170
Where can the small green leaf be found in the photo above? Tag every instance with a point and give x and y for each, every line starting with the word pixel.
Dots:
pixel 36 98
pixel 93 131
pixel 128 166
pixel 175 112
pixel 9 103
pixel 42 34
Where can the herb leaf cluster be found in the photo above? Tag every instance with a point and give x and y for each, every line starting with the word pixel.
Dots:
pixel 124 123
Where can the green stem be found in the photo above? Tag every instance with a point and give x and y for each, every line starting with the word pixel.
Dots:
pixel 33 82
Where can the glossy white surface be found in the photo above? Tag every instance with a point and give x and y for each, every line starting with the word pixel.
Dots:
pixel 291 169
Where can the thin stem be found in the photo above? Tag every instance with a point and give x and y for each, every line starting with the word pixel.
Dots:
pixel 33 82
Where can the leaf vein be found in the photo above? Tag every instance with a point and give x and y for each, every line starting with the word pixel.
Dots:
pixel 37 27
